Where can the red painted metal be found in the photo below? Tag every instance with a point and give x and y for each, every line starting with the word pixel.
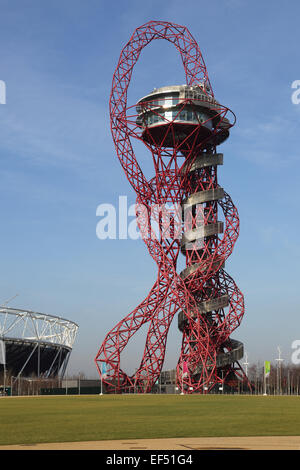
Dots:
pixel 206 337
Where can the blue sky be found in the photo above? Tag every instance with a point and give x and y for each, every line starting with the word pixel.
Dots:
pixel 58 163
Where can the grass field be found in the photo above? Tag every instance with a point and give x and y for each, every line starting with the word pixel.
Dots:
pixel 28 420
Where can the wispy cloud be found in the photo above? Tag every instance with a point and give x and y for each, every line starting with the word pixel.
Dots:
pixel 269 140
pixel 51 126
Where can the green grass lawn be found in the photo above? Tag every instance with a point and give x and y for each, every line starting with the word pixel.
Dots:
pixel 91 417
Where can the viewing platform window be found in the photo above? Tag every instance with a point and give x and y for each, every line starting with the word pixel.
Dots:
pixel 186 115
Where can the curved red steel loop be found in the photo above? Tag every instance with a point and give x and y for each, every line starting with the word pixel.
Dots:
pixel 207 349
pixel 195 71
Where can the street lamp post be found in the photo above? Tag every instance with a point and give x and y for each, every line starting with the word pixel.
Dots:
pixel 279 360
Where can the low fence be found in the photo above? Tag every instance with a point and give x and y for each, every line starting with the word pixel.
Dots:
pixel 71 391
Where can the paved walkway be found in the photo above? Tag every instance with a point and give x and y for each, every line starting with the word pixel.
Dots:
pixel 185 444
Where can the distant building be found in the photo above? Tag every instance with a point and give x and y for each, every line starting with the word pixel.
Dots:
pixel 167 382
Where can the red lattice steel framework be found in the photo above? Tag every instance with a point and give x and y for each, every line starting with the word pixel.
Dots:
pixel 183 200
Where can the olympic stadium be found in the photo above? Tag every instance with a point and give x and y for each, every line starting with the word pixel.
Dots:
pixel 35 344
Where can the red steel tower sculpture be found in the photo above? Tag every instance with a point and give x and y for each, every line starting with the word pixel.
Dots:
pixel 178 210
